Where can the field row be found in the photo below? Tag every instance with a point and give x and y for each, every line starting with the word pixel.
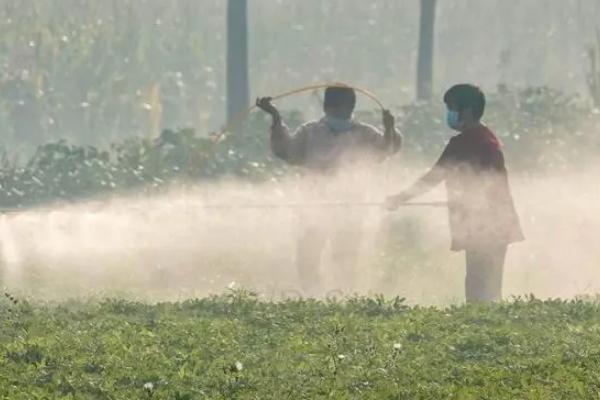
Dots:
pixel 235 346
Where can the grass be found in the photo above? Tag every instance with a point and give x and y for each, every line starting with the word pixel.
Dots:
pixel 235 346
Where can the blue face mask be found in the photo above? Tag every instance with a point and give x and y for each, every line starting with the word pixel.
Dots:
pixel 338 125
pixel 453 120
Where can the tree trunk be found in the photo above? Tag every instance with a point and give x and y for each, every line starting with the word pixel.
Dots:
pixel 237 57
pixel 425 56
pixel 594 74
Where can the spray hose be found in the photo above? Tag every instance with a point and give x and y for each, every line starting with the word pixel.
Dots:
pixel 321 205
pixel 259 206
pixel 241 115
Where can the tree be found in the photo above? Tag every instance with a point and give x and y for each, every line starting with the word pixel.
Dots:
pixel 594 74
pixel 237 57
pixel 425 56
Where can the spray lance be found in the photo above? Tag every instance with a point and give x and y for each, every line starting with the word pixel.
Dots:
pixel 254 206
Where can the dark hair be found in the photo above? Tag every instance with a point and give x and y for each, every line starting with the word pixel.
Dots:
pixel 465 96
pixel 339 97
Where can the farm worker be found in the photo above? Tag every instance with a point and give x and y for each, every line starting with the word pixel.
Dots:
pixel 482 216
pixel 325 147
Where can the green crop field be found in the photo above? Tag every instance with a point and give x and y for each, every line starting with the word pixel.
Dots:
pixel 236 346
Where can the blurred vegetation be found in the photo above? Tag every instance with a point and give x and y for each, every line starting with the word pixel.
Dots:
pixel 60 171
pixel 95 72
pixel 543 130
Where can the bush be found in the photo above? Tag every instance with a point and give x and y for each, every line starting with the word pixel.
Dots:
pixel 543 130
pixel 60 171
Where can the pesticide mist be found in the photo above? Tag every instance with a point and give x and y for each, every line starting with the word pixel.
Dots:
pixel 106 109
pixel 179 244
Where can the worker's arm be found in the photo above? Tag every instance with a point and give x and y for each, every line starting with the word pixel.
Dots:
pixel 285 146
pixel 290 148
pixel 421 186
pixel 432 178
pixel 387 143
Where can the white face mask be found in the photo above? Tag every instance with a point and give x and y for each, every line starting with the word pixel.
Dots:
pixel 339 125
pixel 453 120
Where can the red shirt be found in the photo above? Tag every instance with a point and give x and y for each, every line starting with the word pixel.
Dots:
pixel 481 209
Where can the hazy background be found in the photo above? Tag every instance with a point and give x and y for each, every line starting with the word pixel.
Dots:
pixel 94 70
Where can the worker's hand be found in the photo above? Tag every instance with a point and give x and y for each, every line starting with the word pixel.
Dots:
pixel 389 122
pixel 264 103
pixel 393 202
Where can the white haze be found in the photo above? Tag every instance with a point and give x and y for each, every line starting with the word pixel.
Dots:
pixel 170 245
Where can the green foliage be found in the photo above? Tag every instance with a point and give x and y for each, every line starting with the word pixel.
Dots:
pixel 237 346
pixel 542 129
pixel 85 71
pixel 60 171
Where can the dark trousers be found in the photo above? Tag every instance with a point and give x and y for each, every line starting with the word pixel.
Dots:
pixel 485 269
pixel 344 243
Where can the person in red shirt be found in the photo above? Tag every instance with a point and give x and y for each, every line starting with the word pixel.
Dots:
pixel 482 216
